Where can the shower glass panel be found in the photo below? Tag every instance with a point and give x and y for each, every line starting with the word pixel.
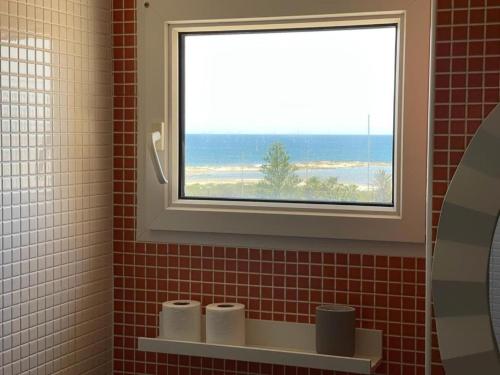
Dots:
pixel 495 284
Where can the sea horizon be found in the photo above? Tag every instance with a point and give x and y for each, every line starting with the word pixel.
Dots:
pixel 292 134
pixel 250 149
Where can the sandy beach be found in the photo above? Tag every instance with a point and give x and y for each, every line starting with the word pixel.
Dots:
pixel 190 170
pixel 347 172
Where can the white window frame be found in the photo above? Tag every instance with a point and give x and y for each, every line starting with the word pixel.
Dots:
pixel 164 217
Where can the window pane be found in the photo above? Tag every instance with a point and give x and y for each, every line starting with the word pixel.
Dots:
pixel 295 115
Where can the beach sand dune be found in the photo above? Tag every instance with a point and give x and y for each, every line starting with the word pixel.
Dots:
pixel 355 173
pixel 194 170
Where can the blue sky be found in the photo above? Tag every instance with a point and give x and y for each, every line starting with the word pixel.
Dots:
pixel 302 82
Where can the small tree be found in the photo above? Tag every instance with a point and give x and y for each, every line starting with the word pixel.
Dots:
pixel 340 192
pixel 314 189
pixel 279 174
pixel 383 186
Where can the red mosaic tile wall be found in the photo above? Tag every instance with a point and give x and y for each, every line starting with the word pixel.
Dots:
pixel 467 88
pixel 388 292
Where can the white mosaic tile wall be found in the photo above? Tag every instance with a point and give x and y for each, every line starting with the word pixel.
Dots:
pixel 55 203
pixel 495 283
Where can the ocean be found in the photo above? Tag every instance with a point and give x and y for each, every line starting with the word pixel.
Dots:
pixel 250 149
pixel 355 159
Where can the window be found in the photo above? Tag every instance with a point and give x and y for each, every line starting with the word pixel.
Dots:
pixel 285 125
pixel 297 115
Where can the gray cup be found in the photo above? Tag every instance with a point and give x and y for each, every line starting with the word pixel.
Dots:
pixel 335 328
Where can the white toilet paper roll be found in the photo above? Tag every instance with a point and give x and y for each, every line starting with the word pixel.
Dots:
pixel 181 320
pixel 225 323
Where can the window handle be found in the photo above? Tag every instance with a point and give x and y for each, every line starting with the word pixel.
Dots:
pixel 157 136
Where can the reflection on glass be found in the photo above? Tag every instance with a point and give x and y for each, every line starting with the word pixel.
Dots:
pixel 495 284
pixel 296 115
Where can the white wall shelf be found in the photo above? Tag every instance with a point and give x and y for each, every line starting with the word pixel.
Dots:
pixel 281 343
